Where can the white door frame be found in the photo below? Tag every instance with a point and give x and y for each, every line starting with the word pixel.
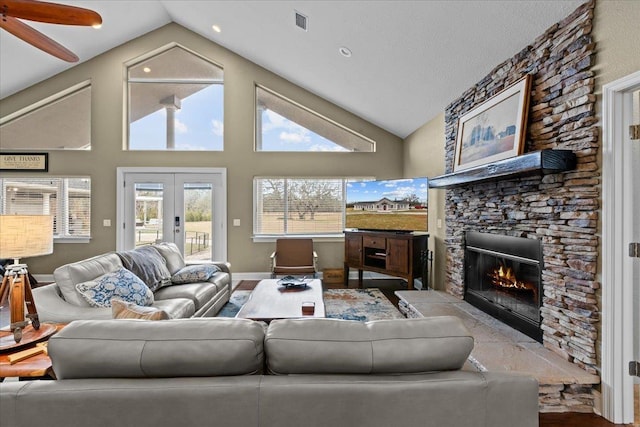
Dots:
pixel 617 266
pixel 220 204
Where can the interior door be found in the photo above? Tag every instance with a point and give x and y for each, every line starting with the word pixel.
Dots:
pixel 183 208
pixel 634 249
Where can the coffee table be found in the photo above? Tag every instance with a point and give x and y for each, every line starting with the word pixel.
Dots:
pixel 269 301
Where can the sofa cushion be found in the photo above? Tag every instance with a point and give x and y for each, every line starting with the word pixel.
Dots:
pixel 333 346
pixel 199 293
pixel 176 308
pixel 194 273
pixel 126 310
pixel 173 348
pixel 69 275
pixel 172 255
pixel 120 283
pixel 147 263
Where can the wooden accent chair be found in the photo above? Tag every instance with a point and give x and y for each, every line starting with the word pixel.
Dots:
pixel 294 257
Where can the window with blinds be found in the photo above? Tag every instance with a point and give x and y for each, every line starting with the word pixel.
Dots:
pixel 67 199
pixel 298 206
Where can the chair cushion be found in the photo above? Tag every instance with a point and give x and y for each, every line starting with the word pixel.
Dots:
pixel 333 346
pixel 294 252
pixel 120 283
pixel 174 348
pixel 69 275
pixel 125 310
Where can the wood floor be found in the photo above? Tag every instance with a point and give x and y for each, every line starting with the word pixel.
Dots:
pixel 575 420
pixel 546 420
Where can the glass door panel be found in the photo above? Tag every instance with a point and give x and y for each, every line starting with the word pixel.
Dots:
pixel 149 213
pixel 176 207
pixel 198 220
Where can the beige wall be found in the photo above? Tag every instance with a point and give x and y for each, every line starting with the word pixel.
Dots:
pixel 424 156
pixel 106 72
pixel 616 30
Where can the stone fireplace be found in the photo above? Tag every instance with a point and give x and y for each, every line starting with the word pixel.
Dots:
pixel 558 211
pixel 502 278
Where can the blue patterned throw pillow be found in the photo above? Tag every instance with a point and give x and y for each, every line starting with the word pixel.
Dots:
pixel 194 273
pixel 121 283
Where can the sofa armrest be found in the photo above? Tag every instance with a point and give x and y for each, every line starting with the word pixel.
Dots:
pixel 52 307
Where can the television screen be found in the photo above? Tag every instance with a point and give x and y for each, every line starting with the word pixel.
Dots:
pixel 393 204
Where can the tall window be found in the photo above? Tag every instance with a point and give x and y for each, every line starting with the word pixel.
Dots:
pixel 59 122
pixel 302 206
pixel 175 103
pixel 67 199
pixel 283 125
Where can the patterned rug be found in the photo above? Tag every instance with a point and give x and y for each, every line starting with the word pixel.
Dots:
pixel 350 304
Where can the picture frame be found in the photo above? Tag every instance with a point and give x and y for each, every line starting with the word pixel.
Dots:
pixel 32 162
pixel 494 130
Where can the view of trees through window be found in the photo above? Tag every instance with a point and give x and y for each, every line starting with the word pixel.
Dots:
pixel 299 206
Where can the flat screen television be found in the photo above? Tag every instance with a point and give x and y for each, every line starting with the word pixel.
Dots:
pixel 398 205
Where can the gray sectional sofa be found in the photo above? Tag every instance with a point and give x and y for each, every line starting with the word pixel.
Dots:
pixel 291 373
pixel 157 264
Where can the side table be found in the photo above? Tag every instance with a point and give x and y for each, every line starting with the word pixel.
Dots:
pixel 38 366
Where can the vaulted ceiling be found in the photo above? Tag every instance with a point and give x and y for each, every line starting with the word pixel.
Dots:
pixel 408 60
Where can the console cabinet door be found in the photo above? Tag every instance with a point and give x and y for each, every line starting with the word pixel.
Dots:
pixel 353 250
pixel 398 255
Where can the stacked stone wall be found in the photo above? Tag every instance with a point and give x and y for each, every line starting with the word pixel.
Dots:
pixel 560 210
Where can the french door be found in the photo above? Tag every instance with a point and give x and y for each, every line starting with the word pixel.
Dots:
pixel 187 208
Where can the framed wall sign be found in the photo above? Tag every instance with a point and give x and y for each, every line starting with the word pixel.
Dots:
pixel 494 130
pixel 34 162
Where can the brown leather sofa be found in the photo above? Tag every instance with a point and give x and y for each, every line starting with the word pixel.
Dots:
pixel 238 372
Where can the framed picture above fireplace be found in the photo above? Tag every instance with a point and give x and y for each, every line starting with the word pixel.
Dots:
pixel 494 130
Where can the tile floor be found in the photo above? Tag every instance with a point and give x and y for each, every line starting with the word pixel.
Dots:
pixel 498 347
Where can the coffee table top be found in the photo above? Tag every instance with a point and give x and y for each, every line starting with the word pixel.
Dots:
pixel 270 301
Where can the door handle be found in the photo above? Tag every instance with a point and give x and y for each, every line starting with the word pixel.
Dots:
pixel 634 250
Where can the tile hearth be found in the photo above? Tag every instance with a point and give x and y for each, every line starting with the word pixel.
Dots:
pixel 564 387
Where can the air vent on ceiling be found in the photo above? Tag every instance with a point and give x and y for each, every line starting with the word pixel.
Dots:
pixel 301 21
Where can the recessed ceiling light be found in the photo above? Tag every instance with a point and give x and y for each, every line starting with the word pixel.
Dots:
pixel 216 28
pixel 97 26
pixel 146 69
pixel 345 51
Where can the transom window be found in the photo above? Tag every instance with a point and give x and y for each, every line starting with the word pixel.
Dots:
pixel 176 101
pixel 298 206
pixel 59 122
pixel 67 199
pixel 283 125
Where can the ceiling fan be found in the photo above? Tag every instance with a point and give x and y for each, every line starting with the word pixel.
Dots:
pixel 52 13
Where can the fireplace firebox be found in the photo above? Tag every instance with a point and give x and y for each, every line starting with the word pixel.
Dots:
pixel 502 278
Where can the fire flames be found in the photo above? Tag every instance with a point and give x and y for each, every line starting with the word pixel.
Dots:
pixel 504 278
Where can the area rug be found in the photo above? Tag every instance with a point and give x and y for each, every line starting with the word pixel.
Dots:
pixel 350 304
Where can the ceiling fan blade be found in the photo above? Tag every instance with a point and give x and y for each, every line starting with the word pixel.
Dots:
pixel 52 13
pixel 37 39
